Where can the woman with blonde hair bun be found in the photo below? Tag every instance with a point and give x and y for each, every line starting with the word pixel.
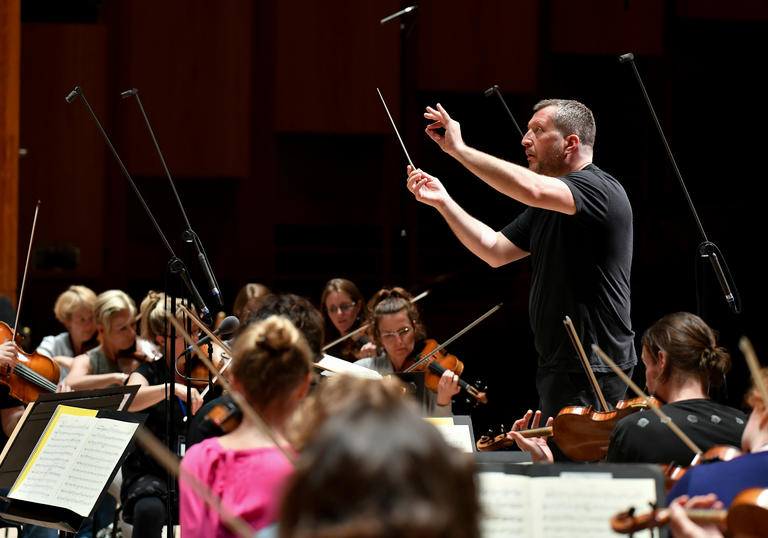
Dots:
pixel 271 369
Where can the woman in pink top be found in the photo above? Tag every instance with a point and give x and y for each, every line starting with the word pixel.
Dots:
pixel 244 468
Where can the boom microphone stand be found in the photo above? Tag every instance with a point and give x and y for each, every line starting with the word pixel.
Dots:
pixel 189 235
pixel 174 267
pixel 706 248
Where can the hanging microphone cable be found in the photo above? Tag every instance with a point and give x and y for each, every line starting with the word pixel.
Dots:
pixel 706 249
pixel 175 265
pixel 189 235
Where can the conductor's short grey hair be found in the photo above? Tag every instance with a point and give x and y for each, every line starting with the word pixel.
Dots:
pixel 570 118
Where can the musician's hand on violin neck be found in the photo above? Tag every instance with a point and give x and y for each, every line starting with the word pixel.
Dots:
pixel 537 446
pixel 683 527
pixel 7 353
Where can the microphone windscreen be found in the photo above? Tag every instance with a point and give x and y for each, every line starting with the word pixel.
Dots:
pixel 490 90
pixel 228 325
pixel 628 57
pixel 71 96
pixel 128 93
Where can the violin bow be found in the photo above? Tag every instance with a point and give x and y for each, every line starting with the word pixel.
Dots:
pixel 395 128
pixel 24 278
pixel 451 339
pixel 571 330
pixel 170 462
pixel 652 404
pixel 363 327
pixel 236 396
pixel 754 367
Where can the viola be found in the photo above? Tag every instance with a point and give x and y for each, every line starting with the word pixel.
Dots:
pixel 582 433
pixel 747 517
pixel 438 362
pixel 31 374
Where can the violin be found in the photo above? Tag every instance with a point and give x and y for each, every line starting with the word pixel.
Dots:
pixel 141 351
pixel 438 362
pixel 32 374
pixel 226 416
pixel 582 433
pixel 747 517
pixel 672 472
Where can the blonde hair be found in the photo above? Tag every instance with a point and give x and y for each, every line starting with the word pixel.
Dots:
pixel 154 315
pixel 270 358
pixel 110 303
pixel 72 300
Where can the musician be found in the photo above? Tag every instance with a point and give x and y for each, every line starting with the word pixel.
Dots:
pixel 298 310
pixel 342 307
pixel 397 328
pixel 115 314
pixel 375 468
pixel 144 485
pixel 74 309
pixel 727 479
pixel 682 361
pixel 577 229
pixel 271 369
pixel 246 298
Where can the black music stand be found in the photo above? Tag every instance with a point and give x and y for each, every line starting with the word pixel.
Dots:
pixel 59 517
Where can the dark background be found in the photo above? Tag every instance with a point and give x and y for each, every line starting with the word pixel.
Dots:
pixel 289 171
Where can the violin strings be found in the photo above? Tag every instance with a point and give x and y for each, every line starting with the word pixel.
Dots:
pixel 30 375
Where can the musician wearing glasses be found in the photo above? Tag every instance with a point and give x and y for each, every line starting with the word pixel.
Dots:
pixel 397 329
pixel 342 307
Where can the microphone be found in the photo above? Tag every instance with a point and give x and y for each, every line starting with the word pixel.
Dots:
pixel 128 93
pixel 628 57
pixel 709 250
pixel 395 15
pixel 490 91
pixel 227 326
pixel 73 94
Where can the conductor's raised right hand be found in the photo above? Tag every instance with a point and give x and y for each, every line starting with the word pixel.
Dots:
pixel 427 189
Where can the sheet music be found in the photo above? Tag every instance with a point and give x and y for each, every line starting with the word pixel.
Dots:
pixel 566 506
pixel 457 435
pixel 74 462
pixel 504 500
pixel 337 365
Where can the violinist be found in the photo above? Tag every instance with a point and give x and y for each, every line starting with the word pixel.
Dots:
pixel 74 309
pixel 727 478
pixel 271 369
pixel 221 414
pixel 342 307
pixel 115 314
pixel 682 361
pixel 396 328
pixel 246 298
pixel 144 489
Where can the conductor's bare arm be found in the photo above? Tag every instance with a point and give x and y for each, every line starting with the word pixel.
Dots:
pixel 522 184
pixel 490 246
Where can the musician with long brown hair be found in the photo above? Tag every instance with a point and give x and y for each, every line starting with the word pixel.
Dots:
pixel 397 328
pixel 343 310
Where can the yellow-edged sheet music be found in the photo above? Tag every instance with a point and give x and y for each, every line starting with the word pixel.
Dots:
pixel 74 460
